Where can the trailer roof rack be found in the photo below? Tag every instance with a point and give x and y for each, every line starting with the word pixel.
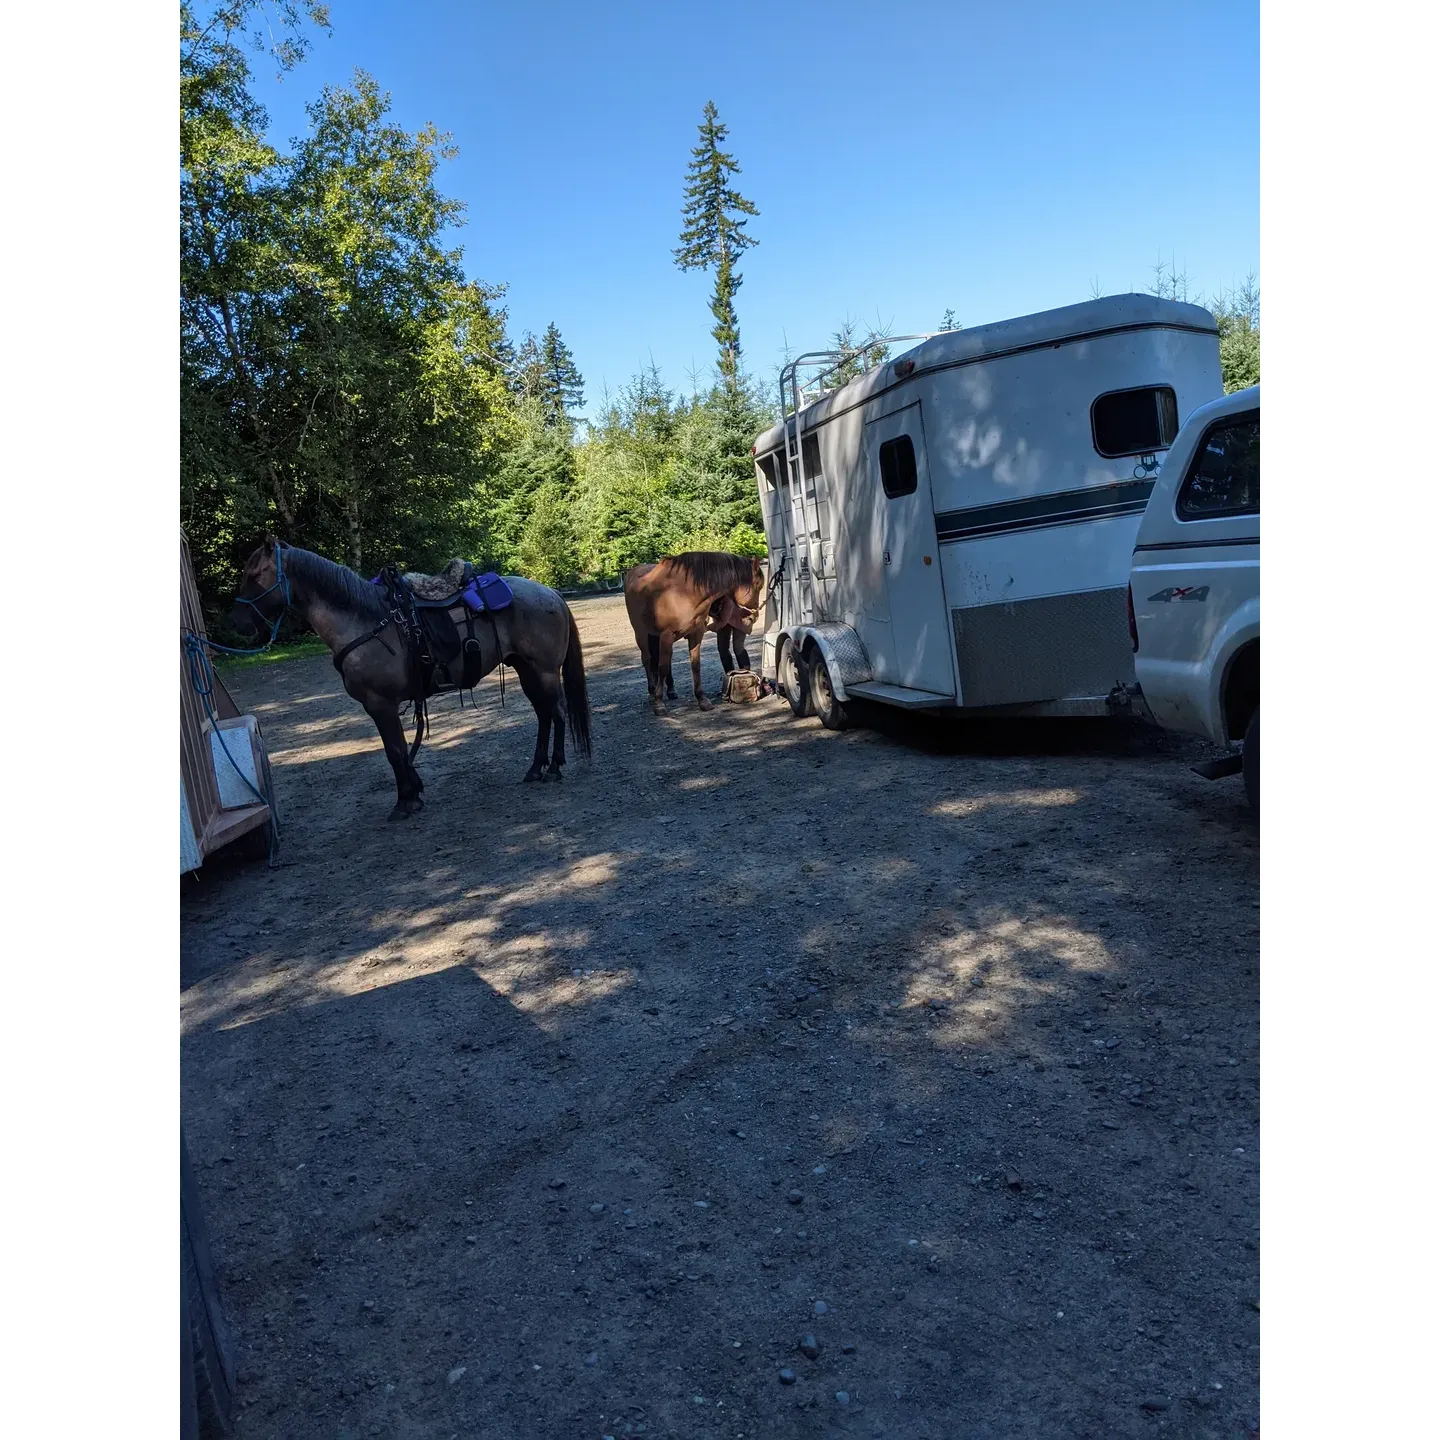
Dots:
pixel 796 393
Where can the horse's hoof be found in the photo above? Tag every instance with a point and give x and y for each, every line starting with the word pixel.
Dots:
pixel 554 773
pixel 533 774
pixel 401 812
pixel 704 703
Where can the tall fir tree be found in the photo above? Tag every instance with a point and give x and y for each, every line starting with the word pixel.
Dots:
pixel 713 234
pixel 544 370
pixel 564 391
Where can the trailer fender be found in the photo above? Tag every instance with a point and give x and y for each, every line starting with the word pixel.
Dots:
pixel 843 649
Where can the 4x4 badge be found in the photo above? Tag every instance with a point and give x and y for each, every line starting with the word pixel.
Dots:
pixel 1180 592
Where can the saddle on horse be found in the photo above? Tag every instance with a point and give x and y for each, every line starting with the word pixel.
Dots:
pixel 420 608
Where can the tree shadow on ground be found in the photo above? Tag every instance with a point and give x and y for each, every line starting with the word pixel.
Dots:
pixel 956 999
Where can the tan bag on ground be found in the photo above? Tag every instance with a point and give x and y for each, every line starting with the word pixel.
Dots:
pixel 742 686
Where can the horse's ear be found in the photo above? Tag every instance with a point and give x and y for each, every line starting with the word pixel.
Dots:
pixel 270 544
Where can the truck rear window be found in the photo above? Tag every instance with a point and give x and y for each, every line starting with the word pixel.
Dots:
pixel 1224 476
pixel 1135 422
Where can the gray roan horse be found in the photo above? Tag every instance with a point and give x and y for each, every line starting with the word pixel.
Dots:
pixel 535 635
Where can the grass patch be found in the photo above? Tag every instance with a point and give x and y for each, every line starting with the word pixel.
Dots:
pixel 287 650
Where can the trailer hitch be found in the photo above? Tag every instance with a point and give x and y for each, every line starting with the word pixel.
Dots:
pixel 1121 700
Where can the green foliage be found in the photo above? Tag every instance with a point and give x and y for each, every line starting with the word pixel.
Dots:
pixel 547 543
pixel 346 385
pixel 660 475
pixel 342 382
pixel 1237 314
pixel 1237 317
pixel 747 539
pixel 863 352
pixel 542 458
pixel 713 234
pixel 545 371
pixel 948 321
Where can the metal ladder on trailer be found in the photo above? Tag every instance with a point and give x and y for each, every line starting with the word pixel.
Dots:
pixel 797 395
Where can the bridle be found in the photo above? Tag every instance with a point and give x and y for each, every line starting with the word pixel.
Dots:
pixel 282 584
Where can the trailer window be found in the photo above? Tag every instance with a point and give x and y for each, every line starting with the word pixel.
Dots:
pixel 770 468
pixel 1135 422
pixel 898 475
pixel 811 445
pixel 1224 476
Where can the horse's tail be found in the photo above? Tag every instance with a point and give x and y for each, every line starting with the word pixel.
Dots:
pixel 577 700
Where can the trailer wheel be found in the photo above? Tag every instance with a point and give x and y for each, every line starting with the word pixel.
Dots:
pixel 1251 764
pixel 794 682
pixel 833 713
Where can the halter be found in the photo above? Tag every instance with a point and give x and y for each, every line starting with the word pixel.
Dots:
pixel 282 583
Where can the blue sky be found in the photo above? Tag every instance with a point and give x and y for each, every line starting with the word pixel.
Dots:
pixel 994 158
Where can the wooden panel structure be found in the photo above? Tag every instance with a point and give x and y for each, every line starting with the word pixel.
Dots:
pixel 213 825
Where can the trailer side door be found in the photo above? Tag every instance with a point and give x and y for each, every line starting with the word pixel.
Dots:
pixel 919 616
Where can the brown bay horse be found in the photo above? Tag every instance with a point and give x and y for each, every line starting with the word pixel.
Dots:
pixel 535 635
pixel 672 599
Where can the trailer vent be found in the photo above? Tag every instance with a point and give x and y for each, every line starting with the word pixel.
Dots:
pixel 1059 647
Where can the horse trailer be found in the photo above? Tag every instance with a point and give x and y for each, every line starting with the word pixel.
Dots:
pixel 952 530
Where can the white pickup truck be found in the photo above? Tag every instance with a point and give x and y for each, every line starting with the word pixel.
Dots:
pixel 1195 587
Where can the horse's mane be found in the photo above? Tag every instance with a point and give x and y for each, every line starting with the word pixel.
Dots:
pixel 334 583
pixel 712 570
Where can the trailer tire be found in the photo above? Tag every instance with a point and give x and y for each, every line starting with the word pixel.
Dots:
pixel 833 713
pixel 1251 764
pixel 793 680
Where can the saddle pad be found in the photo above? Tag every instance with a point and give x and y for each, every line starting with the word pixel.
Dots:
pixel 494 593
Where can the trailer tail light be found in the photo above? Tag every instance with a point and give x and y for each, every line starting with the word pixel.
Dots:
pixel 1130 616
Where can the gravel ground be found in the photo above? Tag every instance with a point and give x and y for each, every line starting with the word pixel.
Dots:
pixel 582 1110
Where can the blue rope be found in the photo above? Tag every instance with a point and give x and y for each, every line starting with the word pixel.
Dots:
pixel 202 681
pixel 231 649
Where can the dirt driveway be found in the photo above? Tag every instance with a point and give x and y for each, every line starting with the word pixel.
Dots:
pixel 582 1110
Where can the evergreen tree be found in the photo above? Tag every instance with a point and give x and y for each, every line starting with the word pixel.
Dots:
pixel 714 235
pixel 544 370
pixel 547 544
pixel 564 390
pixel 862 353
pixel 948 321
pixel 1237 317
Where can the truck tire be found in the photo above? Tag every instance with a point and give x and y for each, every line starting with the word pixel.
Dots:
pixel 793 680
pixel 833 713
pixel 1251 766
pixel 207 1352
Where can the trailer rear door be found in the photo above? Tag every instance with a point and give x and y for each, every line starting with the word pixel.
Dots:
pixel 919 617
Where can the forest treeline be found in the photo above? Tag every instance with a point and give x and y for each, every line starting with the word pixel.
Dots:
pixel 346 384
